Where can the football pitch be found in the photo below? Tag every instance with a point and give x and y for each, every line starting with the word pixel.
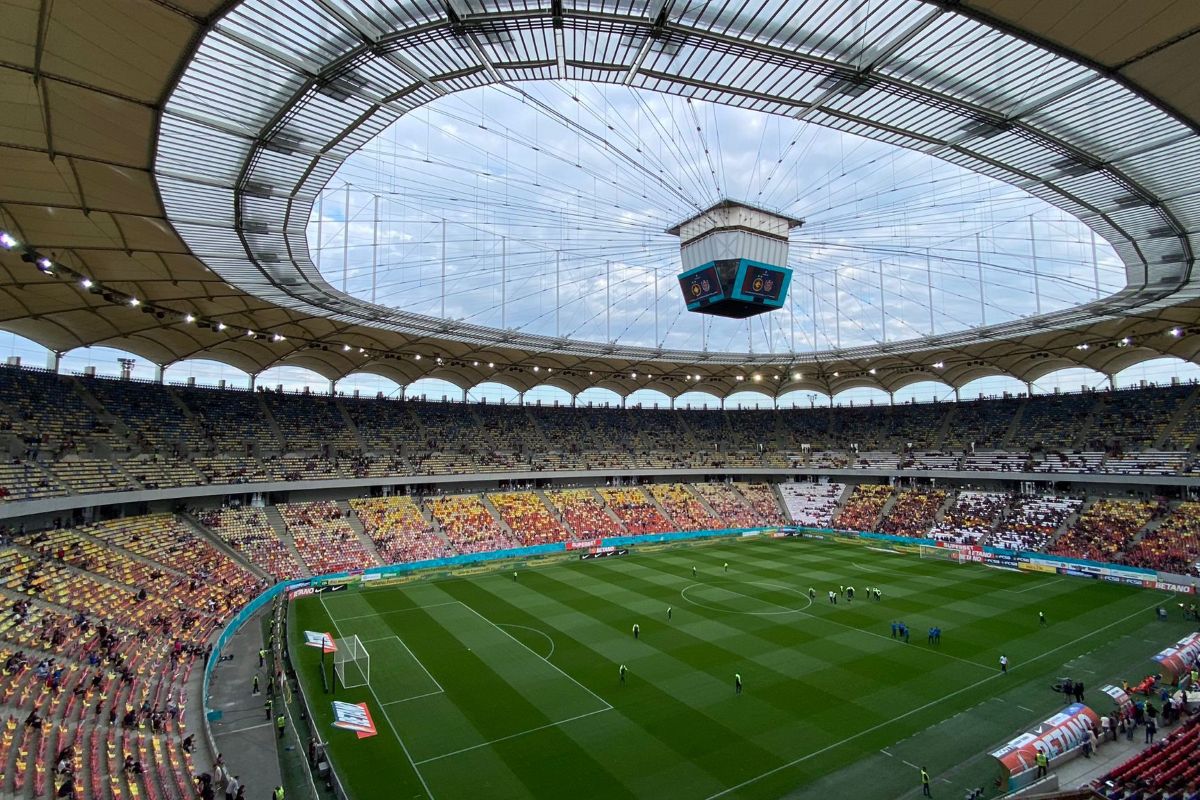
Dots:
pixel 486 686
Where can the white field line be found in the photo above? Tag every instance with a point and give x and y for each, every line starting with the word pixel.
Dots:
pixel 381 613
pixel 390 725
pixel 514 735
pixel 607 705
pixel 921 708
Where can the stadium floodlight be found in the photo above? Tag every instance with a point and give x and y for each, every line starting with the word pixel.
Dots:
pixel 188 318
pixel 7 240
pixel 1176 332
pixel 797 376
pixel 352 663
pixel 871 371
pixel 133 301
pixel 86 283
pixel 491 365
pixel 938 365
pixel 220 326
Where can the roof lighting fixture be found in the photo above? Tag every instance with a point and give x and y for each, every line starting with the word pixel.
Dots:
pixel 757 378
pixel 589 371
pixel 491 365
pixel 474 363
pixel 361 350
pixel 345 348
pixel 837 374
pixel 536 368
pixel 871 371
pixel 221 326
pixel 741 377
pixel 797 376
pixel 45 265
pixel 939 365
pixel 250 333
pixel 86 283
pixel 417 357
pixel 1176 332
pixel 133 301
pixel 277 337
pixel 1124 342
pixel 633 375
pixel 7 240
pixel 1083 346
pixel 188 318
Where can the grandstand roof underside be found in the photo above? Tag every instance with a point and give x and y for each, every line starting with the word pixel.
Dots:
pixel 1097 112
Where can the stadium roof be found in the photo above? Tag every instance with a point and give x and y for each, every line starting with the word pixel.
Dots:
pixel 169 152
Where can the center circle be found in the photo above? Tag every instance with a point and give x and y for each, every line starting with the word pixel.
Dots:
pixel 739 598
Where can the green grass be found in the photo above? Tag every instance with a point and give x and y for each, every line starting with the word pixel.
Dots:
pixel 486 687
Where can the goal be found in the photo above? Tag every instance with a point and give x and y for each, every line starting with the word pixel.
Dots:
pixel 943 554
pixel 352 663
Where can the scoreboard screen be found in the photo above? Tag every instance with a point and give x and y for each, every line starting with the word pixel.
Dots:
pixel 758 281
pixel 700 284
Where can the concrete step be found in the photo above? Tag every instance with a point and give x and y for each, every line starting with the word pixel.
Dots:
pixel 281 531
pixel 356 525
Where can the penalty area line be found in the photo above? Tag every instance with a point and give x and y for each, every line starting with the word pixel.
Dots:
pixel 513 736
pixel 395 733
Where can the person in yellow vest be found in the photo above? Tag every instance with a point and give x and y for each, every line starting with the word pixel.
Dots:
pixel 925 783
pixel 277 794
pixel 1043 762
pixel 280 722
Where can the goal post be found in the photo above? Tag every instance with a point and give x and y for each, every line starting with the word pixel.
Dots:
pixel 352 663
pixel 943 553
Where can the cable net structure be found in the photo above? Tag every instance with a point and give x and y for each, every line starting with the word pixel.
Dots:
pixel 542 207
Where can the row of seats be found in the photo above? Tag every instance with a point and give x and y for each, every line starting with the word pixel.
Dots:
pixel 400 532
pixel 1104 529
pixel 913 512
pixel 248 531
pixel 69 414
pixel 863 508
pixel 324 538
pixel 812 504
pixel 106 623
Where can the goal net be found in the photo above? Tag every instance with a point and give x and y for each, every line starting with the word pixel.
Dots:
pixel 943 553
pixel 352 663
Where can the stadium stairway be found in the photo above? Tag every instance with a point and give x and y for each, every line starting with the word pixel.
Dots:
pixel 198 528
pixel 947 504
pixel 1014 425
pixel 102 414
pixel 1081 435
pixel 280 528
pixel 272 424
pixel 356 525
pixel 691 489
pixel 1070 521
pixel 1154 524
pixel 350 426
pixel 841 503
pixel 654 502
pixel 887 509
pixel 608 510
pixel 497 516
pixel 1180 414
pixel 554 512
pixel 943 428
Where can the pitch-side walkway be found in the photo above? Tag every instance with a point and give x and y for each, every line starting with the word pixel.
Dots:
pixel 243 734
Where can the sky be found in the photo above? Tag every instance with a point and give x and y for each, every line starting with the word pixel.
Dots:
pixel 542 207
